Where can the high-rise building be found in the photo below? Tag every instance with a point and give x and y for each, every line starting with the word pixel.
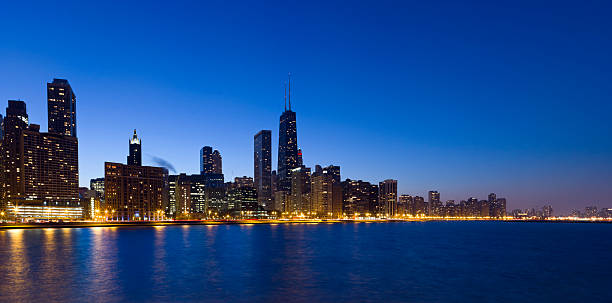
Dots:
pixel 40 170
pixel 405 205
pixel 97 185
pixel 387 198
pixel 497 207
pixel 210 161
pixel 14 123
pixel 50 167
pixel 243 198
pixel 333 171
pixel 472 208
pixel 433 203
pixel 282 201
pixel 217 162
pixel 360 198
pixel 135 192
pixel 243 181
pixel 590 211
pixel 61 106
pixel 484 208
pixel 420 207
pixel 299 157
pixel 206 160
pixel 188 193
pixel 263 168
pixel 287 146
pixel 326 192
pixel 135 156
pixel 300 201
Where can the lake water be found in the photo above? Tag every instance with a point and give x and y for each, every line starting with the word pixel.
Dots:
pixel 354 262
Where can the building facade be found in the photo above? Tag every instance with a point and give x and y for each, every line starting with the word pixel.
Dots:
pixel 210 161
pixel 50 167
pixel 300 201
pixel 61 108
pixel 134 192
pixel 263 168
pixel 387 198
pixel 360 198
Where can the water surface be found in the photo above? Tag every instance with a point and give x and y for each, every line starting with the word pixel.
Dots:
pixel 355 262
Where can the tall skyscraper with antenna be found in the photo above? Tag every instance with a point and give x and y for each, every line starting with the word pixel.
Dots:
pixel 287 144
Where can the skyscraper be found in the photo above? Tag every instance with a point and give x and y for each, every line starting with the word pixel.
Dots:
pixel 387 197
pixel 50 167
pixel 206 160
pixel 135 156
pixel 287 145
pixel 40 170
pixel 15 122
pixel 326 192
pixel 61 106
pixel 217 162
pixel 300 200
pixel 263 168
pixel 434 205
pixel 210 161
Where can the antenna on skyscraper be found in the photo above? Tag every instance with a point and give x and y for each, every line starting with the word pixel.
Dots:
pixel 289 91
pixel 285 96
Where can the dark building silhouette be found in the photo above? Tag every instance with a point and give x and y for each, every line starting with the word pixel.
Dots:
pixel 14 123
pixel 420 206
pixel 359 197
pixel 263 168
pixel 405 205
pixel 434 204
pixel 210 161
pixel 97 185
pixel 135 156
pixel 287 146
pixel 472 208
pixel 217 167
pixel 243 198
pixel 300 160
pixel 387 197
pixel 61 106
pixel 243 181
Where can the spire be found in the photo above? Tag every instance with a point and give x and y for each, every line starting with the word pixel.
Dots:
pixel 135 139
pixel 289 76
pixel 285 96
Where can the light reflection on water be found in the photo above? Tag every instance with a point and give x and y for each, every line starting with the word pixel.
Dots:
pixel 425 262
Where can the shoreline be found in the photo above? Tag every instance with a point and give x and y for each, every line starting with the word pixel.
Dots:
pixel 9 226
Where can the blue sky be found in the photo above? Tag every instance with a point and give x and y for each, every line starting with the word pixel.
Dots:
pixel 467 98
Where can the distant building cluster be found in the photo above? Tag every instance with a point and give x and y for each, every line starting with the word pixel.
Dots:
pixel 592 212
pixel 39 174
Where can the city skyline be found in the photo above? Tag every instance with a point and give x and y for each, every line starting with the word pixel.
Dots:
pixel 538 142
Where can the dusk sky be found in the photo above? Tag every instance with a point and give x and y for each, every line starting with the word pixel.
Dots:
pixel 462 97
